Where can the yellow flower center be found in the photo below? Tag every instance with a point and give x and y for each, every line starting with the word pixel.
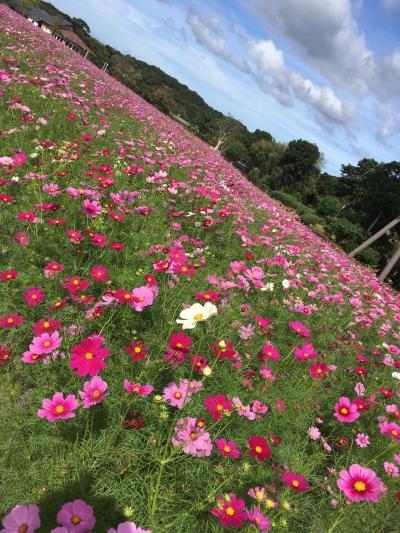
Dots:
pixel 295 483
pixel 177 395
pixel 127 296
pixel 344 411
pixel 227 449
pixel 59 409
pixel 9 276
pixel 259 495
pixel 10 320
pixel 360 486
pixel 219 407
pixel 258 449
pixel 394 432
pixel 75 282
pixel 23 528
pixel 75 519
pixel 305 354
pixel 230 511
pixel 96 394
pixel 46 343
pixel 179 345
pixel 34 296
pixel 198 316
pixel 141 298
pixel 46 324
pixel 137 349
pixel 89 355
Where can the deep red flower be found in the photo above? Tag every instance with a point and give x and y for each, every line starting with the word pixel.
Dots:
pixel 179 342
pixel 49 325
pixel 8 275
pixel 223 349
pixel 133 420
pixel 33 296
pixel 217 405
pixel 259 448
pixel 319 370
pixel 137 351
pixel 99 273
pixel 75 285
pixel 5 353
pixel 207 296
pixel 11 321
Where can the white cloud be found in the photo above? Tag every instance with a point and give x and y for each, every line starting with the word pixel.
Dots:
pixel 391 5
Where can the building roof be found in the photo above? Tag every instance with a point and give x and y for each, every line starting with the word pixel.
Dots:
pixel 74 39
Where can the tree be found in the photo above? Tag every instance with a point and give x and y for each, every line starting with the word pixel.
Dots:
pixel 81 24
pixel 236 152
pixel 225 132
pixel 29 4
pixel 266 155
pixel 299 169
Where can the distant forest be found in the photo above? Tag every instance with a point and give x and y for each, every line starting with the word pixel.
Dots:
pixel 346 209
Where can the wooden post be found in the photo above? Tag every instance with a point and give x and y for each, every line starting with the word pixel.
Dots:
pixel 388 268
pixel 374 237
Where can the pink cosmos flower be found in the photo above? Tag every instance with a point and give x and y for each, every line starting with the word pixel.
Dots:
pixel 77 516
pixel 259 407
pixel 142 297
pixel 137 388
pixel 362 440
pixel 93 391
pixel 266 373
pixel 87 357
pixel 295 481
pixel 191 436
pixel 91 208
pixel 300 329
pixel 258 519
pixel 22 519
pixel 22 238
pixel 314 433
pixel 227 448
pixel 179 395
pixel 305 352
pixel 45 343
pixel 360 484
pixel 230 510
pixel 391 429
pixel 345 411
pixel 128 527
pixel 391 469
pixel 58 407
pixel 99 240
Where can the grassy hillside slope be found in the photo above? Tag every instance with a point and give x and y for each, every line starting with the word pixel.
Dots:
pixel 114 221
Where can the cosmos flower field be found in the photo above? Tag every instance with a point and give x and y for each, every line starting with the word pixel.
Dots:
pixel 177 351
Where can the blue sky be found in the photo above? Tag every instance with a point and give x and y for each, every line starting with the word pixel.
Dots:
pixel 323 70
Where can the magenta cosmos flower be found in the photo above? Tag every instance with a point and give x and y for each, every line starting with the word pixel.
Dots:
pixel 87 357
pixel 295 481
pixel 305 352
pixel 76 516
pixel 230 510
pixel 91 208
pixel 45 343
pixel 128 527
pixel 227 448
pixel 93 391
pixel 58 407
pixel 345 411
pixel 33 296
pixel 22 519
pixel 360 484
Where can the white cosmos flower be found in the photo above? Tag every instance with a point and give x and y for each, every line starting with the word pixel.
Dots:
pixel 196 313
pixel 396 375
